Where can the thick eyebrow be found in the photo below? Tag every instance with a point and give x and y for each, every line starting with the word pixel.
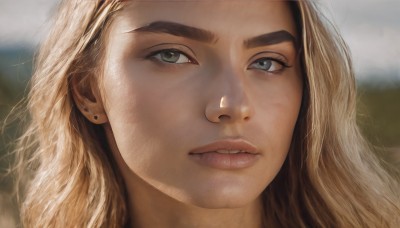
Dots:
pixel 202 35
pixel 177 29
pixel 270 39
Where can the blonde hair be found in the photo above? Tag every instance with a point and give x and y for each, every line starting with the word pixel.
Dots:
pixel 330 178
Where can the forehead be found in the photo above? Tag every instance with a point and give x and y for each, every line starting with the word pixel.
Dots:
pixel 226 18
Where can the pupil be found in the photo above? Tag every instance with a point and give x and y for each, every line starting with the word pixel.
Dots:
pixel 170 56
pixel 266 64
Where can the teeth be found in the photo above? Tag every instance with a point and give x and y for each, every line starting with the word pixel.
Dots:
pixel 229 151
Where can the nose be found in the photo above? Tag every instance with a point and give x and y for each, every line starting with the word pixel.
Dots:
pixel 229 102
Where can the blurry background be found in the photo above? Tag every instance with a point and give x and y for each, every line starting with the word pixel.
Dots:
pixel 370 27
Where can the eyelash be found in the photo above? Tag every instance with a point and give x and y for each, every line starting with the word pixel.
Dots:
pixel 156 56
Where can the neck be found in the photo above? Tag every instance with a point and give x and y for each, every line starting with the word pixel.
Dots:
pixel 148 207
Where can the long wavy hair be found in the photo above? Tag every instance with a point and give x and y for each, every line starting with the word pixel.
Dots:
pixel 331 177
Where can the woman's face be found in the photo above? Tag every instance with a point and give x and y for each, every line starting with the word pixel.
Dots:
pixel 202 97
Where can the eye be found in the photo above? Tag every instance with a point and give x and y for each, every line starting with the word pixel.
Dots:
pixel 171 56
pixel 268 64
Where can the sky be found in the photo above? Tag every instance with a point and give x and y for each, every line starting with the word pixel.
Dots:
pixel 370 27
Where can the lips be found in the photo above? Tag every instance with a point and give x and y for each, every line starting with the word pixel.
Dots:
pixel 230 151
pixel 227 146
pixel 226 154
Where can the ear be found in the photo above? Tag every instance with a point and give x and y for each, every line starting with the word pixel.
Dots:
pixel 88 99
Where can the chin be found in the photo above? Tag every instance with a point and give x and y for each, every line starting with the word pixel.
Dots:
pixel 227 197
pixel 223 202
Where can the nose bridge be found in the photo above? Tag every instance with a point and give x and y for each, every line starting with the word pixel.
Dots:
pixel 233 92
pixel 230 100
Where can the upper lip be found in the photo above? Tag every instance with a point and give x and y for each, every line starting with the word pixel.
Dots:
pixel 227 145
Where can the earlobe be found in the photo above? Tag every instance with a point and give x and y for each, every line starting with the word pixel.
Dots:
pixel 88 100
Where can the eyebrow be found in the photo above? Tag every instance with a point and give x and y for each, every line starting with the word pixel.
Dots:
pixel 270 39
pixel 202 35
pixel 177 29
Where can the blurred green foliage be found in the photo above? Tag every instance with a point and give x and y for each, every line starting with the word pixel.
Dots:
pixel 379 114
pixel 15 70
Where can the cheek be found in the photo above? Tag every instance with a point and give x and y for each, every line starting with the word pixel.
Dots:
pixel 131 116
pixel 147 117
pixel 277 111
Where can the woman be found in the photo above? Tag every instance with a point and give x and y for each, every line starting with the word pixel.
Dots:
pixel 198 114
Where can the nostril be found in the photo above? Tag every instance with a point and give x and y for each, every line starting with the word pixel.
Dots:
pixel 246 118
pixel 224 117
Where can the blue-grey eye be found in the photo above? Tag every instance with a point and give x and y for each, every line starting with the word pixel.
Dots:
pixel 172 56
pixel 267 64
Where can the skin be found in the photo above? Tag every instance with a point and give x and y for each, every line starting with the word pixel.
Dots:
pixel 155 112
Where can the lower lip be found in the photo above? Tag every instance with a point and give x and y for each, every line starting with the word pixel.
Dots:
pixel 225 161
